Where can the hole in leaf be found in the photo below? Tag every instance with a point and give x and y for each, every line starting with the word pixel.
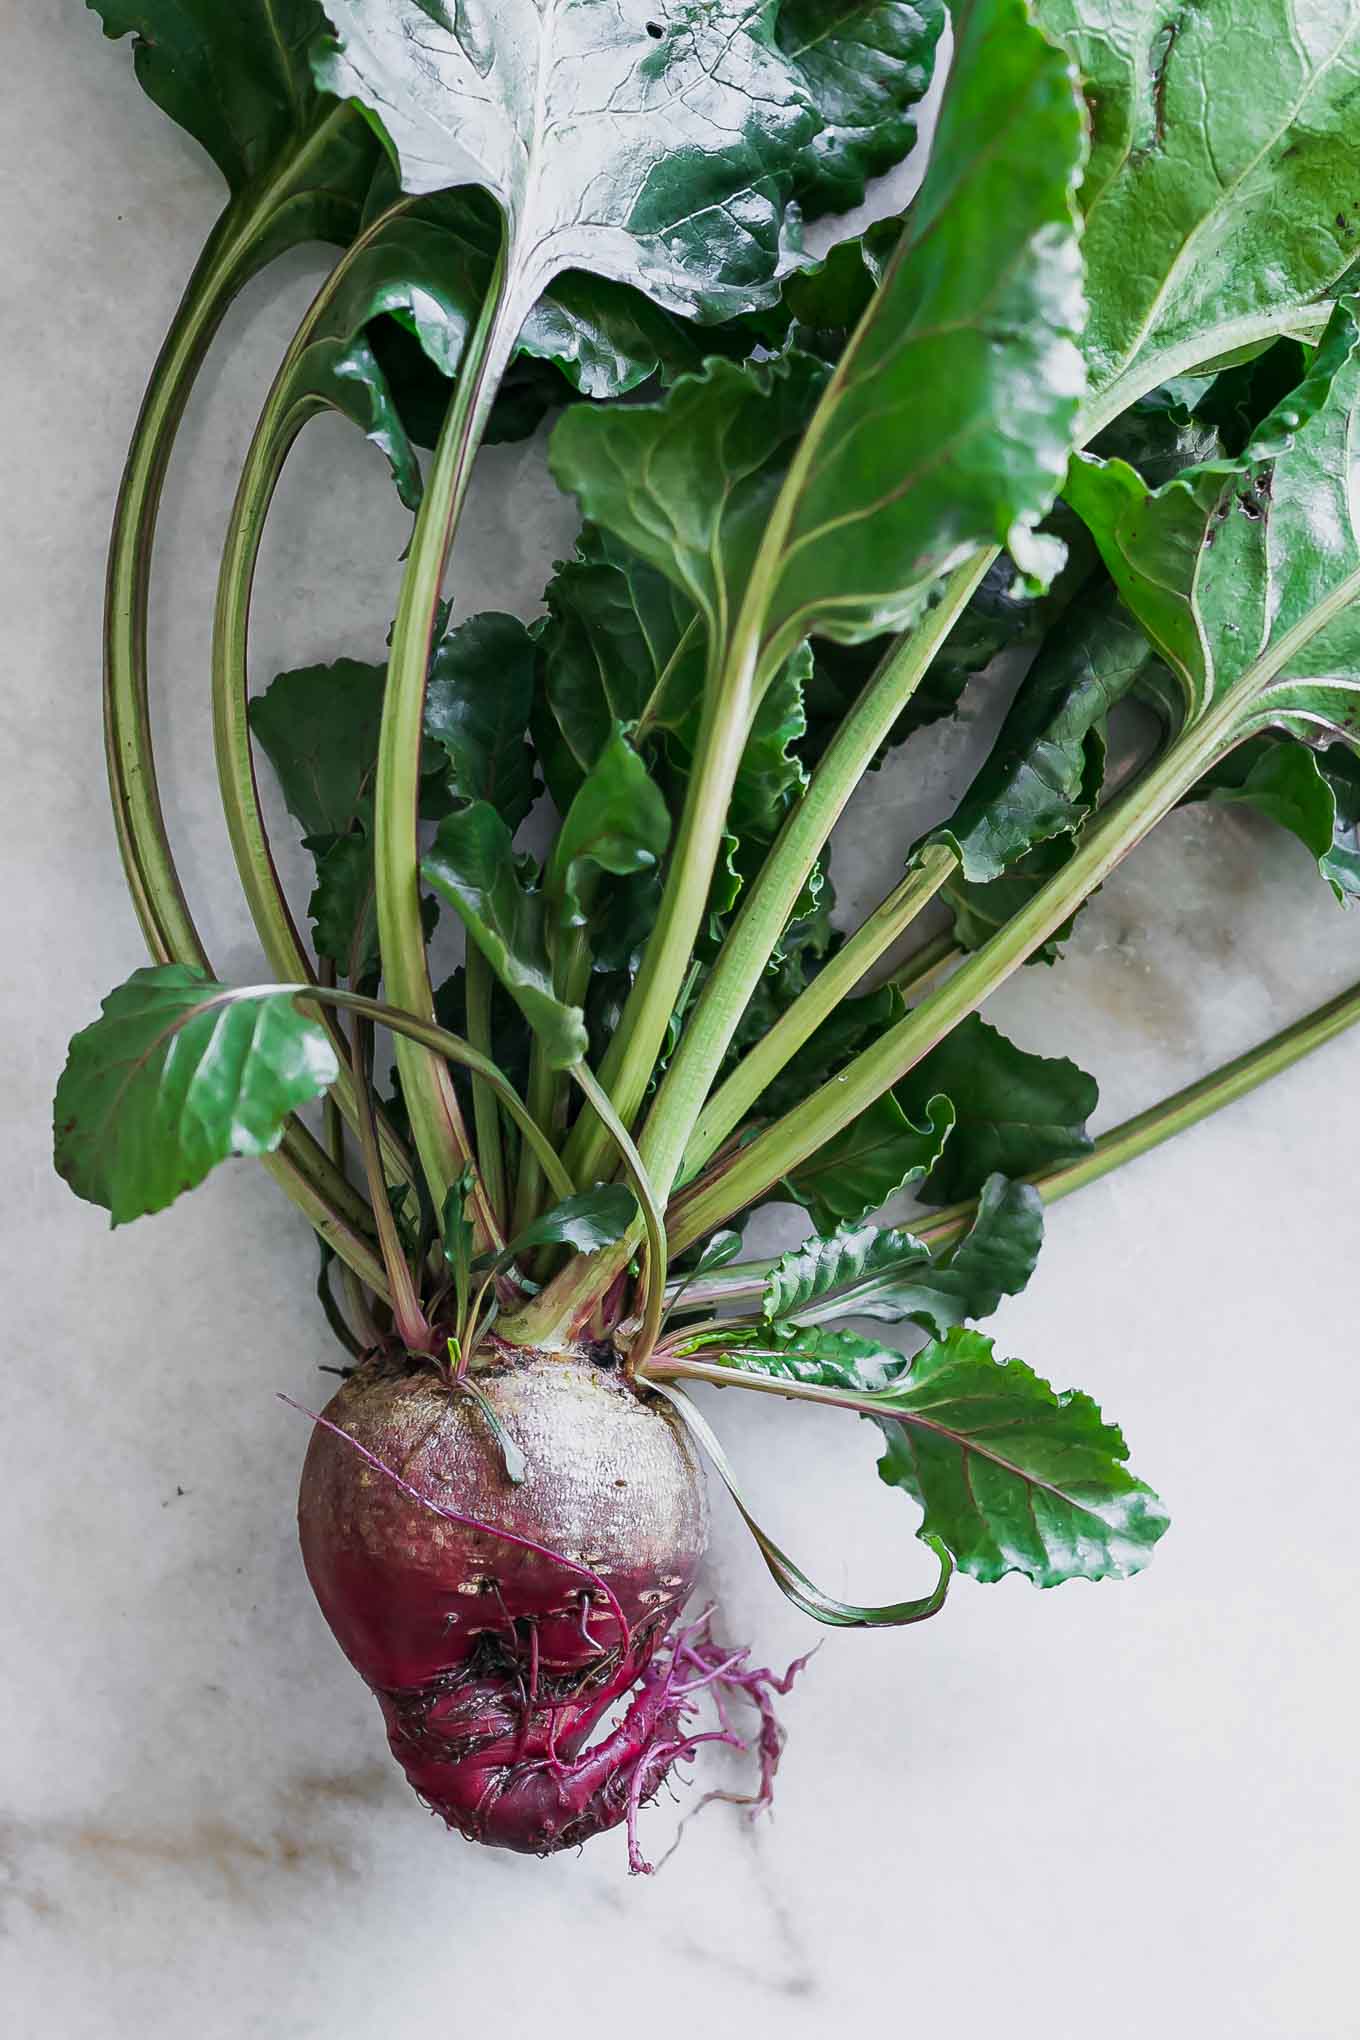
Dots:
pixel 655 30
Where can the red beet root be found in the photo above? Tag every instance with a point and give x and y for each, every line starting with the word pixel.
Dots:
pixel 499 1625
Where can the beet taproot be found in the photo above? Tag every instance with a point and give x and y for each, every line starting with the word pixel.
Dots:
pixel 499 1624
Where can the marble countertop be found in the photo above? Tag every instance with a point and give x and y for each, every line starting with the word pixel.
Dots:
pixel 1120 1809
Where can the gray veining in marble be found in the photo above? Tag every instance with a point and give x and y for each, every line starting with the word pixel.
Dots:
pixel 1122 1809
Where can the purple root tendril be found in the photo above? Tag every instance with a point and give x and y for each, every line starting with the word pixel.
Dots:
pixel 514 1771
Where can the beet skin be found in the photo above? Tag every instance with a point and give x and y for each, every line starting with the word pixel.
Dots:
pixel 493 1660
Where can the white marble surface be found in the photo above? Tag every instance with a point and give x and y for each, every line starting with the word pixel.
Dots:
pixel 1121 1810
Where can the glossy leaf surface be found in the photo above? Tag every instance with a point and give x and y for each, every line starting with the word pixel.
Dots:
pixel 478 701
pixel 1044 773
pixel 1221 183
pixel 866 65
pixel 1012 1476
pixel 664 161
pixel 868 1271
pixel 472 865
pixel 587 1222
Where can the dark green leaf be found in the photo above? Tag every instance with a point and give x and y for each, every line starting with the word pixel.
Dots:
pixel 718 1251
pixel 343 907
pixel 980 910
pixel 867 63
pixel 664 162
pixel 1013 1112
pixel 510 1031
pixel 867 1272
pixel 176 1075
pixel 877 1155
pixel 585 335
pixel 617 823
pixel 620 644
pixel 238 79
pixel 831 296
pixel 1221 183
pixel 471 864
pixel 528 390
pixel 812 1354
pixel 415 267
pixel 477 707
pixel 1011 1476
pixel 1044 773
pixel 771 774
pixel 318 726
pixel 851 1026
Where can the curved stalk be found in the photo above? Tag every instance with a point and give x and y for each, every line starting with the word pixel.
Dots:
pixel 436 1120
pixel 452 1048
pixel 731 1102
pixel 281 420
pixel 244 239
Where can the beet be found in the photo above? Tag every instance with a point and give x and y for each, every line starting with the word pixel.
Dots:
pixel 499 1625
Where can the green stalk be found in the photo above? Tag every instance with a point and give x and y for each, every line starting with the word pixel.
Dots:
pixel 281 420
pixel 654 1224
pixel 729 703
pixel 752 939
pixel 928 961
pixel 348 1241
pixel 250 233
pixel 772 898
pixel 745 1282
pixel 411 1324
pixel 478 982
pixel 790 1140
pixel 673 1367
pixel 439 1041
pixel 835 981
pixel 356 1302
pixel 547 1086
pixel 247 236
pixel 430 1035
pixel 1173 1115
pixel 436 1120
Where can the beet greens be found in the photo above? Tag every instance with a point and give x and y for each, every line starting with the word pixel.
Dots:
pixel 1092 394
